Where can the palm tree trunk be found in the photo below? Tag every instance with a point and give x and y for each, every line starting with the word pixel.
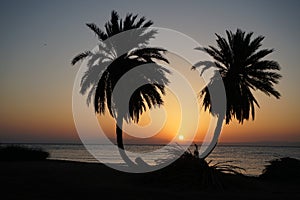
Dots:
pixel 215 138
pixel 122 152
pixel 119 133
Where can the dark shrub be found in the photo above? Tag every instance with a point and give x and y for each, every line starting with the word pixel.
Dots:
pixel 282 169
pixel 21 153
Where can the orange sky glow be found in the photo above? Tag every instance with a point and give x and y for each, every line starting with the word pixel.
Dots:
pixel 37 78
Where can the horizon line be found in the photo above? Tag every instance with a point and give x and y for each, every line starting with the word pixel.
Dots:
pixel 260 143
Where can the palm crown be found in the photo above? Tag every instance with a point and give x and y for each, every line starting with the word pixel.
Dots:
pixel 243 71
pixel 145 96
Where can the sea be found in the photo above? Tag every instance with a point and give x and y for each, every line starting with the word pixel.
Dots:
pixel 252 158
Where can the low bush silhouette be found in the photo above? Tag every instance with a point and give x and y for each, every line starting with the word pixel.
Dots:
pixel 282 169
pixel 22 153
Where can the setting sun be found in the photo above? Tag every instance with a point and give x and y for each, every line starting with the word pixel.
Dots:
pixel 180 137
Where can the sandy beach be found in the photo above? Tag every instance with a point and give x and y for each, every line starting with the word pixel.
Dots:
pixel 53 179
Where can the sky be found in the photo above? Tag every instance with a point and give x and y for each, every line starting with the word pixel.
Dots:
pixel 39 39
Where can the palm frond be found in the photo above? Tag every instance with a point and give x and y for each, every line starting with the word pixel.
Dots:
pixel 80 57
pixel 101 34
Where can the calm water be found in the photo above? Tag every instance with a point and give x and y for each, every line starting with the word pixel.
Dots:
pixel 251 158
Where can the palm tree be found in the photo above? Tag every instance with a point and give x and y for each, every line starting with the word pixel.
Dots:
pixel 243 71
pixel 148 95
pixel 115 57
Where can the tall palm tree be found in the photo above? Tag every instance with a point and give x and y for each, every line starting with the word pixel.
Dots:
pixel 243 70
pixel 115 57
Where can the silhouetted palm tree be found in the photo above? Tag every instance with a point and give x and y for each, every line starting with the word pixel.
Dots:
pixel 115 57
pixel 243 71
